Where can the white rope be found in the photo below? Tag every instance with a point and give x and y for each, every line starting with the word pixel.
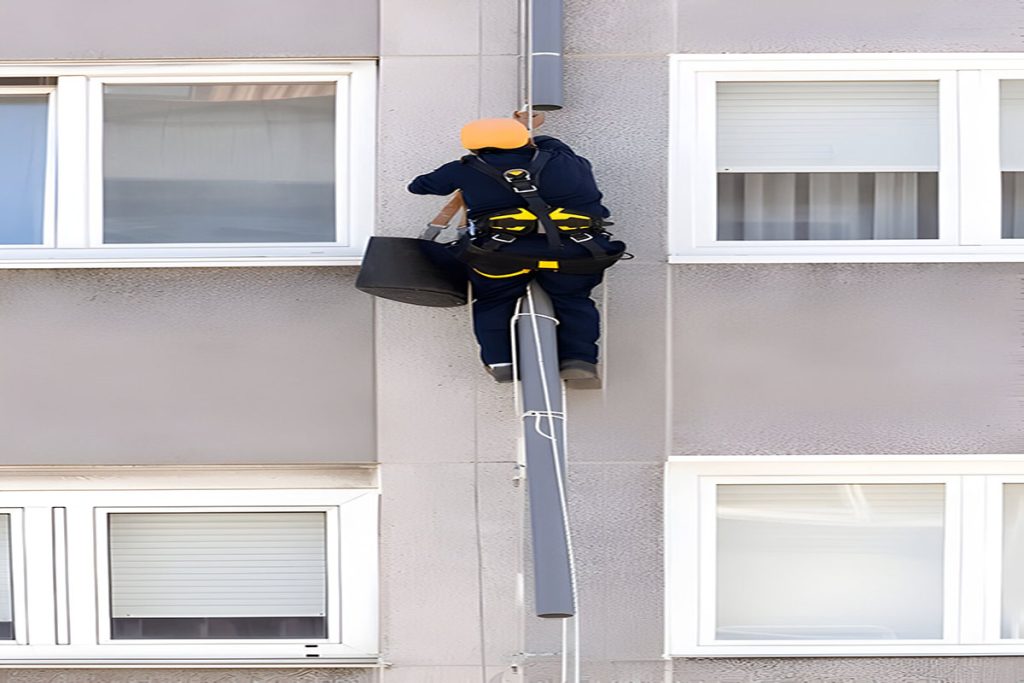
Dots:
pixel 538 414
pixel 528 57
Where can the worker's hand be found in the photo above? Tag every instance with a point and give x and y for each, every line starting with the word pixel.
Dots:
pixel 538 118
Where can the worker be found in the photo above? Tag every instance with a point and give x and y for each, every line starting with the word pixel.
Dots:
pixel 505 227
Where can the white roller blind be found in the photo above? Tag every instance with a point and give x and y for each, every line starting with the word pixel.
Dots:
pixel 1011 119
pixel 828 126
pixel 6 613
pixel 830 561
pixel 220 564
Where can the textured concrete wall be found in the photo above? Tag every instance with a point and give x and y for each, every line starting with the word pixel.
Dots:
pixel 163 366
pixel 146 29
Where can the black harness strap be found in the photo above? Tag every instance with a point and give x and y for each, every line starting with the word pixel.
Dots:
pixel 482 257
pixel 524 183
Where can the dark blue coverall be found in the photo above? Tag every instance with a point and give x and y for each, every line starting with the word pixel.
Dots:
pixel 567 182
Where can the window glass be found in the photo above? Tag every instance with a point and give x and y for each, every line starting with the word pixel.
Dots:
pixel 845 160
pixel 231 163
pixel 1011 156
pixel 219 575
pixel 23 152
pixel 1013 561
pixel 6 585
pixel 828 562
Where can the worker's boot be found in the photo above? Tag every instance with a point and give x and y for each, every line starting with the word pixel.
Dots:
pixel 501 372
pixel 579 374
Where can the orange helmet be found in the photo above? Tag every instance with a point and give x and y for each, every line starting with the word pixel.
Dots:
pixel 499 133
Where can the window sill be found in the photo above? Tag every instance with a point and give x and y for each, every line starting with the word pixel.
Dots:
pixel 894 254
pixel 297 663
pixel 15 261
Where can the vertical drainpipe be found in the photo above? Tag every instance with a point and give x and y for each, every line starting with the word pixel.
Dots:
pixel 545 446
pixel 546 57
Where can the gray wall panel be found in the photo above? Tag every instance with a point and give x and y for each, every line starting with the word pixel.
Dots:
pixel 450 552
pixel 449 27
pixel 854 358
pixel 872 26
pixel 450 527
pixel 140 29
pixel 180 365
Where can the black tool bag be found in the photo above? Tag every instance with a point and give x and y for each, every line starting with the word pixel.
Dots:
pixel 416 270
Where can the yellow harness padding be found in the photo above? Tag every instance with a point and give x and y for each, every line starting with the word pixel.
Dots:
pixel 519 221
pixel 568 222
pixel 525 221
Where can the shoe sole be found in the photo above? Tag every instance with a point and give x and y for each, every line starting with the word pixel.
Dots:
pixel 577 373
pixel 580 378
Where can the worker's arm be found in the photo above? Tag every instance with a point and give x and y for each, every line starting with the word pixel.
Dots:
pixel 439 181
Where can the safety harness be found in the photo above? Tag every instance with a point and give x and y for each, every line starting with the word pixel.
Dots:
pixel 502 228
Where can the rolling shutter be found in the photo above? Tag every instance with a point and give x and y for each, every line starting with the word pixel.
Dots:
pixel 828 126
pixel 219 564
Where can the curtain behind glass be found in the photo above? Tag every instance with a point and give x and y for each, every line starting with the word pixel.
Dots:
pixel 828 206
pixel 801 561
pixel 23 124
pixel 1011 156
pixel 239 163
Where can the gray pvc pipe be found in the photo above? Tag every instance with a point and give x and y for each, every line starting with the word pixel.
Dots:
pixel 546 60
pixel 543 415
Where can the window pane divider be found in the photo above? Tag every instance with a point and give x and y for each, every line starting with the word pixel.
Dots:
pixel 60 576
pixel 967 624
pixel 38 592
pixel 72 162
pixel 992 556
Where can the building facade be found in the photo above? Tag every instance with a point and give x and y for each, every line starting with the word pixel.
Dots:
pixel 802 465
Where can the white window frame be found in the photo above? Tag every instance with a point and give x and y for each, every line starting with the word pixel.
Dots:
pixel 969 187
pixel 19 606
pixel 972 561
pixel 61 572
pixel 74 237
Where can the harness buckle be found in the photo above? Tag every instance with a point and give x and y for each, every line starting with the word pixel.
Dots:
pixel 516 177
pixel 504 239
pixel 580 238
